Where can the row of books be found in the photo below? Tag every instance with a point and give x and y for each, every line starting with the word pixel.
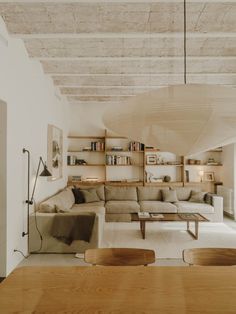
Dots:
pixel 98 146
pixel 118 160
pixel 136 146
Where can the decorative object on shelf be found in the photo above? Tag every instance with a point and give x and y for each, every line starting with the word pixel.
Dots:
pixel 55 152
pixel 187 175
pixel 151 159
pixel 191 161
pixel 209 176
pixel 76 178
pixel 44 173
pixel 91 179
pixel 80 162
pixel 167 179
pixel 155 179
pixel 211 162
pixel 87 149
pixel 201 175
pixel 117 148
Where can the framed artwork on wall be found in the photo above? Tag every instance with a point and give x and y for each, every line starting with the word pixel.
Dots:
pixel 208 176
pixel 55 152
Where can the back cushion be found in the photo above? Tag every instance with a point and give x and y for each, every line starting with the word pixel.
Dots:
pixel 115 193
pixel 63 201
pixel 99 189
pixel 150 193
pixel 184 193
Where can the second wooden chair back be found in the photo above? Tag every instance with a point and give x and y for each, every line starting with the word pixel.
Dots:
pixel 210 256
pixel 119 256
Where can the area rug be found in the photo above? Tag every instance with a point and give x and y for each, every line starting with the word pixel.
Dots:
pixel 168 239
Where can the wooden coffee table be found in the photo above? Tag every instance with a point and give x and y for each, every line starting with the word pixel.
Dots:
pixel 196 218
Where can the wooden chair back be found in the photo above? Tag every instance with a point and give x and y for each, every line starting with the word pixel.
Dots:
pixel 119 257
pixel 210 256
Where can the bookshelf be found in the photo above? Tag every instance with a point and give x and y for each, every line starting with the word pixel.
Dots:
pixel 116 160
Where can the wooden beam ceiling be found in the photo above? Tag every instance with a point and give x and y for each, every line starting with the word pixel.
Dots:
pixel 111 50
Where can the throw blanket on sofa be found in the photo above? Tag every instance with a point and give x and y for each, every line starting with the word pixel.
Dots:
pixel 67 227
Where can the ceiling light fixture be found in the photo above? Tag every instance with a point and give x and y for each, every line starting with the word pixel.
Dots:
pixel 184 119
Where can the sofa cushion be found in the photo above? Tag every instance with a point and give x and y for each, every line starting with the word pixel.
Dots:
pixel 169 196
pixel 97 207
pixel 184 193
pixel 122 207
pixel 79 196
pixel 197 197
pixel 150 193
pixel 90 196
pixel 190 207
pixel 157 207
pixel 117 193
pixel 62 201
pixel 99 189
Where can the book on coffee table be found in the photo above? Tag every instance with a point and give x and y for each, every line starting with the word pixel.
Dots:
pixel 143 215
pixel 157 216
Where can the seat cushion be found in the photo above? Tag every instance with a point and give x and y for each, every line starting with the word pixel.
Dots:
pixel 150 193
pixel 97 207
pixel 157 207
pixel 117 193
pixel 122 207
pixel 190 207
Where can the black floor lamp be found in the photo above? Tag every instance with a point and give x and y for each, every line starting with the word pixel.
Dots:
pixel 30 200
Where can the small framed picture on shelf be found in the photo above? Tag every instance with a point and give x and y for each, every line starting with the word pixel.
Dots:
pixel 151 159
pixel 209 176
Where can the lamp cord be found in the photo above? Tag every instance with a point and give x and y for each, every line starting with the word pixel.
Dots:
pixel 185 45
pixel 37 228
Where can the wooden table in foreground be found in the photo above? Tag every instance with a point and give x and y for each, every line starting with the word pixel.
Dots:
pixel 196 218
pixel 119 290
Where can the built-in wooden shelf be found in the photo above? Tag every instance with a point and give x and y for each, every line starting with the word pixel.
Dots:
pixel 204 165
pixel 124 151
pixel 88 165
pixel 165 165
pixel 133 165
pixel 86 137
pixel 85 151
pixel 152 150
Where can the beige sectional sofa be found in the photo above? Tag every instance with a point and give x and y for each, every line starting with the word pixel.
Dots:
pixel 116 204
pixel 65 201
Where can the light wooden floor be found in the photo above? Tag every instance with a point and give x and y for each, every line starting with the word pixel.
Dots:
pixel 71 260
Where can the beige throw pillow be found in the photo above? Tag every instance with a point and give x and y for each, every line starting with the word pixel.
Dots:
pixel 90 195
pixel 169 196
pixel 197 197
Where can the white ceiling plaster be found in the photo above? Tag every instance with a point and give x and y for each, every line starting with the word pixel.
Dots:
pixel 112 50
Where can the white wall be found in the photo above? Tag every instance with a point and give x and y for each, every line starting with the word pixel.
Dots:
pixel 31 106
pixel 3 192
pixel 86 119
pixel 229 171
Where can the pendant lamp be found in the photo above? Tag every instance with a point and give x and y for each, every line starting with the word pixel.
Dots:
pixel 184 119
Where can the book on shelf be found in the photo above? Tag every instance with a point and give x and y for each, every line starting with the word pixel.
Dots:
pixel 97 146
pixel 157 216
pixel 136 146
pixel 143 215
pixel 118 160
